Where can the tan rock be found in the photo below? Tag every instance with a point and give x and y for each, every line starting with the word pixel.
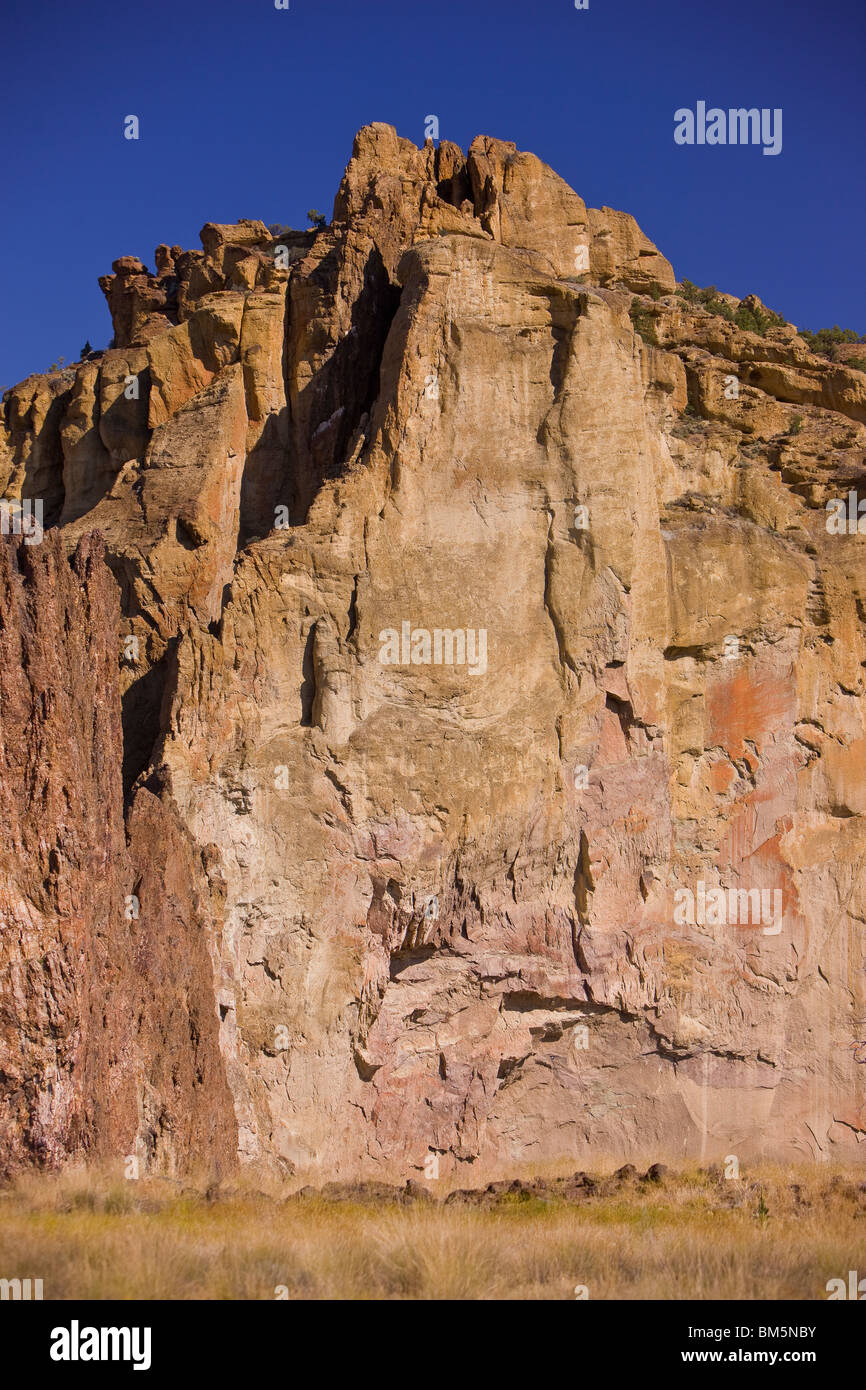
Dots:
pixel 450 892
pixel 620 251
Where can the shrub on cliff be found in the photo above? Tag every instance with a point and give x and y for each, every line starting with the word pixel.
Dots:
pixel 752 317
pixel 643 323
pixel 827 338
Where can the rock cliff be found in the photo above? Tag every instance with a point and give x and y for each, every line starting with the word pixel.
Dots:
pixel 476 711
pixel 108 1033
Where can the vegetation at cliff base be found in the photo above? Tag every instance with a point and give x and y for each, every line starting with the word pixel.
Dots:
pixel 772 1234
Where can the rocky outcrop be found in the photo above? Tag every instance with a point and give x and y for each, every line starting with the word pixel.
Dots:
pixel 108 1034
pixel 494 678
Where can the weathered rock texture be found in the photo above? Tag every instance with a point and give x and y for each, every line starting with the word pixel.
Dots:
pixel 108 1033
pixel 446 893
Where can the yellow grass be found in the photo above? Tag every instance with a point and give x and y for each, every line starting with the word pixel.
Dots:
pixel 695 1236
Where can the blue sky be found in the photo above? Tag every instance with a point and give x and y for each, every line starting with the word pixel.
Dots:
pixel 247 111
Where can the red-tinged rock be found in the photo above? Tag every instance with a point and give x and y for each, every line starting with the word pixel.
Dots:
pixel 108 1028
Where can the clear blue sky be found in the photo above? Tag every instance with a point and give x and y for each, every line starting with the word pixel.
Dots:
pixel 247 111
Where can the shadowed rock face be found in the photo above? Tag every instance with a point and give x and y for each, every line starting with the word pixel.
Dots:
pixel 597 889
pixel 108 1035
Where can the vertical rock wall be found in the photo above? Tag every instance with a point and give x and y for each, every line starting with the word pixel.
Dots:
pixel 587 884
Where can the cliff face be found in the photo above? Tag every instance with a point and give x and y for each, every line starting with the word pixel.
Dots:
pixel 108 1034
pixel 594 890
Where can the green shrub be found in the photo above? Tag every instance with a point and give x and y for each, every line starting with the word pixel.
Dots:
pixel 643 323
pixel 827 338
pixel 689 291
pixel 719 307
pixel 756 321
pixel 744 318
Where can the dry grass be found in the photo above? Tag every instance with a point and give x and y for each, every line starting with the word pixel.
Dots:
pixel 694 1236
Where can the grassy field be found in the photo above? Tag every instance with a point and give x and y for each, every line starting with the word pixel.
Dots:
pixel 772 1234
